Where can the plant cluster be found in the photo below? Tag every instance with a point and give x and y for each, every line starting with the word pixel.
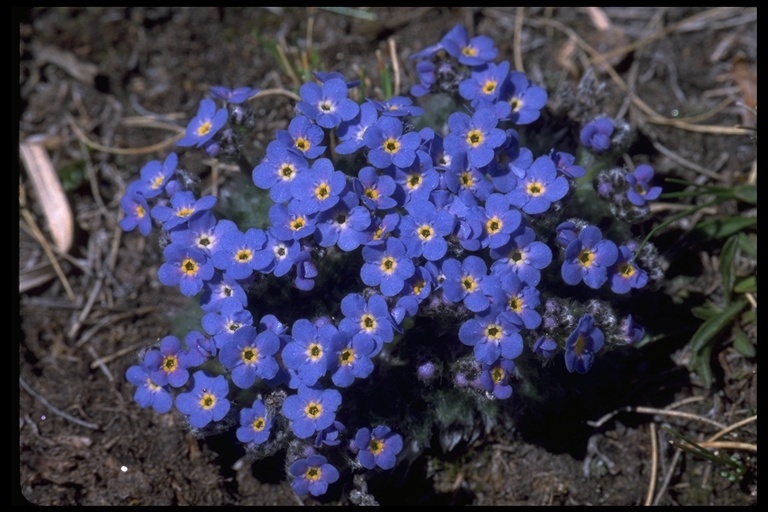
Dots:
pixel 402 270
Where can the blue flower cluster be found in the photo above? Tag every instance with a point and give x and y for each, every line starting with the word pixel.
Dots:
pixel 461 226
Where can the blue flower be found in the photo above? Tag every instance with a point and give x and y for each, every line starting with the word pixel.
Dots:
pixel 484 83
pixel 478 136
pixel 199 349
pixel 148 394
pixel 588 258
pixel 319 189
pixel 351 132
pixel 465 282
pixel 249 355
pixel 624 274
pixel 493 335
pixel 423 231
pixel 233 96
pixel 136 213
pixel 631 332
pixel 237 252
pixel 219 288
pixel 640 189
pixel 375 191
pixel 310 351
pixel 386 265
pixel 500 221
pixel 303 136
pixel 370 319
pixel 351 358
pixel 312 475
pixel 277 171
pixel 330 436
pixel 525 98
pixel 187 267
pixel 311 410
pixel 207 401
pixel 154 176
pixel 223 324
pixel 518 300
pixel 596 134
pixel 378 447
pixel 544 347
pixel 255 424
pixel 419 179
pixel 495 378
pixel 470 52
pixel 398 106
pixel 564 163
pixel 427 78
pixel 204 125
pixel 467 182
pixel 389 145
pixel 344 225
pixel 166 365
pixel 289 223
pixel 539 187
pixel 327 105
pixel 184 206
pixel 277 256
pixel 582 345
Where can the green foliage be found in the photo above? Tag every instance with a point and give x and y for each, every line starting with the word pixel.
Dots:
pixel 730 319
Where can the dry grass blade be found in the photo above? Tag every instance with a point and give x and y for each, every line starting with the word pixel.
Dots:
pixel 49 192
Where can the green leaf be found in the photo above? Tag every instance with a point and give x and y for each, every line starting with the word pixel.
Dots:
pixel 742 344
pixel 727 256
pixel 725 226
pixel 706 333
pixel 747 245
pixel 746 193
pixel 705 312
pixel 746 285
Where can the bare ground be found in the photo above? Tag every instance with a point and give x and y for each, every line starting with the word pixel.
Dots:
pixel 88 76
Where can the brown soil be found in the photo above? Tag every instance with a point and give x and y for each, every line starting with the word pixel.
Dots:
pixel 84 441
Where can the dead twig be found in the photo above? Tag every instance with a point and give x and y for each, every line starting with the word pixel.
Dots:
pixel 117 355
pixel 125 151
pixel 395 65
pixel 654 464
pixel 46 403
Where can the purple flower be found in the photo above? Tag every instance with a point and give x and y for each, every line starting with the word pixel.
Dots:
pixel 148 394
pixel 564 163
pixel 378 447
pixel 545 347
pixel 327 105
pixel 524 97
pixel 640 189
pixel 249 355
pixel 204 125
pixel 631 332
pixel 255 424
pixel 470 52
pixel 539 187
pixel 582 344
pixel 207 401
pixel 312 475
pixel 493 335
pixel 478 136
pixel 596 134
pixel 389 145
pixel 186 267
pixel 278 170
pixel 311 410
pixel 588 258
